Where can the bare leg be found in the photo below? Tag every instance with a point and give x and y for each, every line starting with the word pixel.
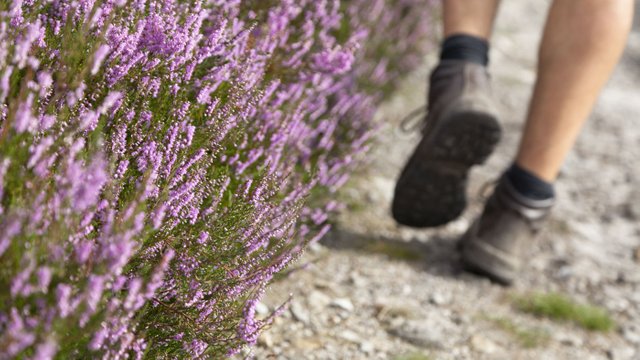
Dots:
pixel 471 17
pixel 583 40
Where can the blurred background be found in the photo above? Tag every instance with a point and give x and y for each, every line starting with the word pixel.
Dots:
pixel 373 290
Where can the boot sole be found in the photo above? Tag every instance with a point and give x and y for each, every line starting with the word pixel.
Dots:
pixel 486 260
pixel 431 190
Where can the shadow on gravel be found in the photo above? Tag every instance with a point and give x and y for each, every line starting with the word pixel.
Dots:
pixel 437 256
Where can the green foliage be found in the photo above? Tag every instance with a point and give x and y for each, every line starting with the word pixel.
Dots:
pixel 560 307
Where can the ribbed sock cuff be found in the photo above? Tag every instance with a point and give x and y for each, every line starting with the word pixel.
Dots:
pixel 465 47
pixel 528 184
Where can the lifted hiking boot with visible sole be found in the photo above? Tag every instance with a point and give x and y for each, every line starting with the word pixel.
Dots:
pixel 497 243
pixel 461 130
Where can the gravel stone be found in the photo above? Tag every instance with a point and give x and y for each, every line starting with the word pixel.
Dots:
pixel 367 347
pixel 349 336
pixel 439 299
pixel 343 303
pixel 433 332
pixel 300 313
pixel 632 334
pixel 569 339
pixel 624 353
pixel 484 345
pixel 318 300
pixel 262 309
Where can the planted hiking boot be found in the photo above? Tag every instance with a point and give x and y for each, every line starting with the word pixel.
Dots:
pixel 496 244
pixel 460 130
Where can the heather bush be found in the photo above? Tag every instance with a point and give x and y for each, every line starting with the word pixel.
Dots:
pixel 161 161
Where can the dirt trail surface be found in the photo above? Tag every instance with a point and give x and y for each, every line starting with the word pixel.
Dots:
pixel 374 290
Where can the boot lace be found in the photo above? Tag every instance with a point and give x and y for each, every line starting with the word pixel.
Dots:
pixel 411 122
pixel 486 189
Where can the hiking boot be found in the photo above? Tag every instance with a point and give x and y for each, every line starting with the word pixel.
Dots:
pixel 461 129
pixel 496 244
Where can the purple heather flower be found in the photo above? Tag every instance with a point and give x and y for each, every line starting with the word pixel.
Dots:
pixel 98 338
pixel 46 121
pixel 110 101
pixel 63 299
pixel 34 34
pixel 121 169
pixel 4 83
pixel 95 287
pixel 202 239
pixel 157 277
pixel 24 119
pixel 21 336
pixel 44 82
pixel 118 252
pixel 4 166
pixel 196 347
pixel 20 284
pixel 76 95
pixel 119 282
pixel 209 122
pixel 134 297
pixel 83 250
pixel 99 57
pixel 46 350
pixel 86 183
pixel 44 278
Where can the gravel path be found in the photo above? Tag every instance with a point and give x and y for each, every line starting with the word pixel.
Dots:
pixel 374 290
